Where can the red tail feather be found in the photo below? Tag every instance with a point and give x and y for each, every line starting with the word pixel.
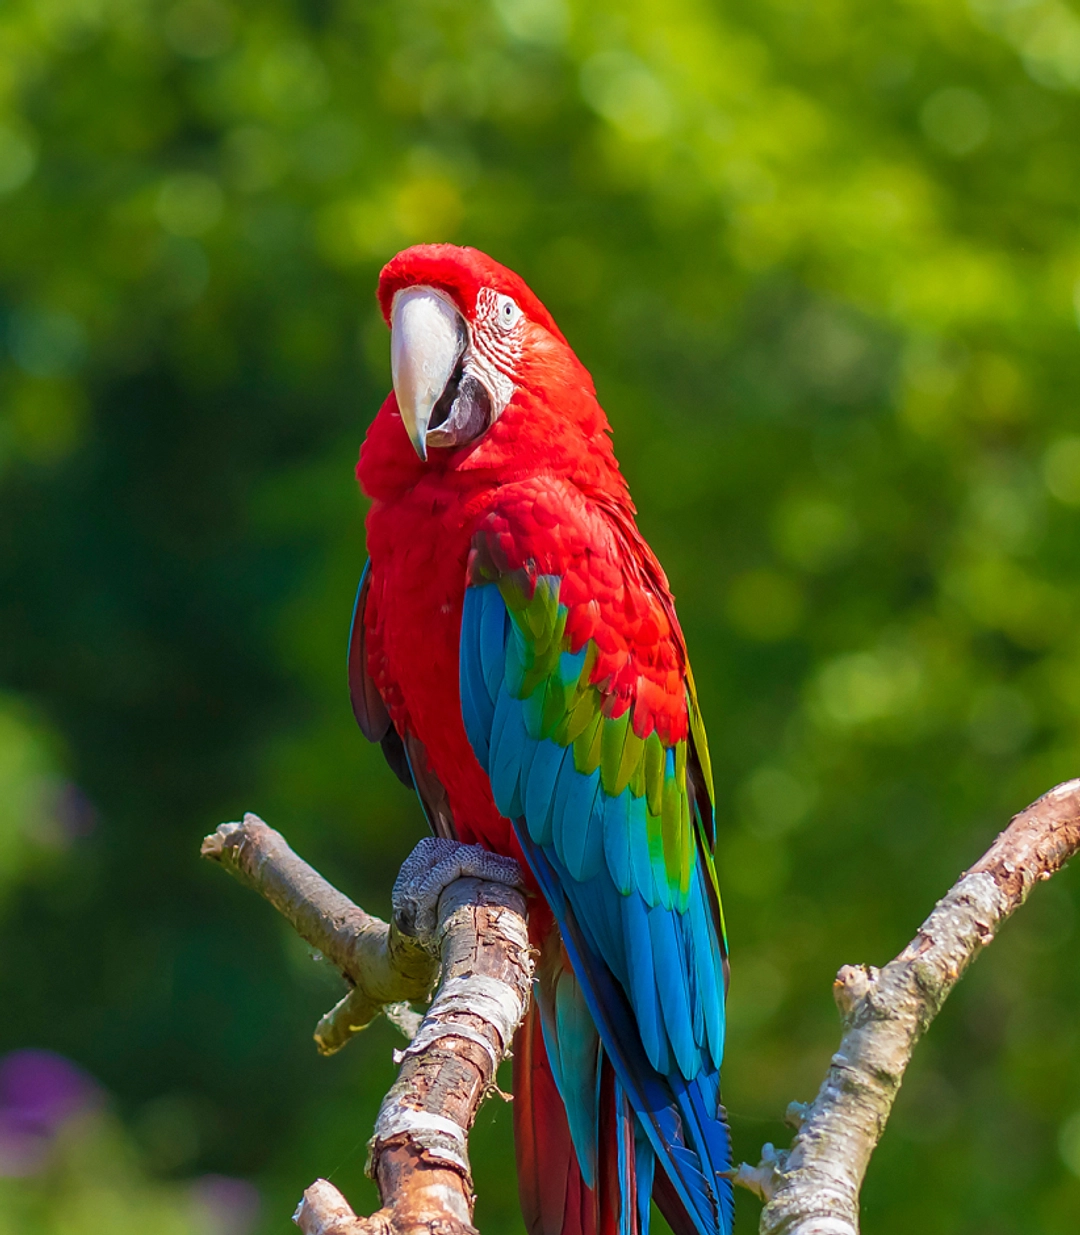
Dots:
pixel 608 1165
pixel 554 1198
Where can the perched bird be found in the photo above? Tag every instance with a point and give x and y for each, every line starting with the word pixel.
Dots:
pixel 515 650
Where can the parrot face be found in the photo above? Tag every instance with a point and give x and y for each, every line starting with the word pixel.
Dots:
pixel 466 334
pixel 452 377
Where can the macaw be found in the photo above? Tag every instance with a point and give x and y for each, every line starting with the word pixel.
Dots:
pixel 516 652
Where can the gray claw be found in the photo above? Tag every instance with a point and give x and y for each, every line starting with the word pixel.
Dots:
pixel 430 869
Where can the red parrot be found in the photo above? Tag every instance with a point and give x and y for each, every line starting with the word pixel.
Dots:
pixel 516 652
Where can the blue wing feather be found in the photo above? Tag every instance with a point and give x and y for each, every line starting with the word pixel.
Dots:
pixel 494 621
pixel 540 790
pixel 582 834
pixel 571 665
pixel 642 982
pixel 508 738
pixel 598 906
pixel 646 972
pixel 617 839
pixel 640 860
pixel 671 970
pixel 575 795
pixel 477 703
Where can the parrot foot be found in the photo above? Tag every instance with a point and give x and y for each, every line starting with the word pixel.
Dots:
pixel 796 1113
pixel 430 869
pixel 761 1180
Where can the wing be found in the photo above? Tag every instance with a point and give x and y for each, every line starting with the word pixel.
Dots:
pixel 405 754
pixel 579 705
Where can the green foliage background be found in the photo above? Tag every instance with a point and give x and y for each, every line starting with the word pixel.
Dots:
pixel 822 258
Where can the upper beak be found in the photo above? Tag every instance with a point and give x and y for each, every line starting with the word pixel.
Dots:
pixel 427 337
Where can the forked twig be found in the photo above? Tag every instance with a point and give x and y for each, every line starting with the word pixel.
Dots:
pixel 813 1188
pixel 419 1151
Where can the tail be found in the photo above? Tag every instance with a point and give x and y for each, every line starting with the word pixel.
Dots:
pixel 651 1121
pixel 555 1199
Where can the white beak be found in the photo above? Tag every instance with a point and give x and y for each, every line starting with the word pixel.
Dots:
pixel 427 337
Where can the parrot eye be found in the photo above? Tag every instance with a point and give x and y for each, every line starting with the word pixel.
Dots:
pixel 507 313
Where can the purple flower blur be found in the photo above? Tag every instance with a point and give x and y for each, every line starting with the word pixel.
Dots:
pixel 39 1092
pixel 226 1206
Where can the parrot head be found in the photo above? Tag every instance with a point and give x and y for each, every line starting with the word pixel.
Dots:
pixel 466 334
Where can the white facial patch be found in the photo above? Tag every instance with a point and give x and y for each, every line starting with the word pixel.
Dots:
pixel 453 381
pixel 497 339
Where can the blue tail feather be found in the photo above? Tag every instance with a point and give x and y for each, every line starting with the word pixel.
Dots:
pixel 573 1047
pixel 645 1160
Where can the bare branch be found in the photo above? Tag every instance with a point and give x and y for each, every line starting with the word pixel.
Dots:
pixel 814 1188
pixel 324 1211
pixel 419 1150
pixel 419 1155
pixel 383 967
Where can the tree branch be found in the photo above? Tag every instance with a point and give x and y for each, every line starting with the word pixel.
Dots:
pixel 383 968
pixel 418 1154
pixel 814 1188
pixel 419 1150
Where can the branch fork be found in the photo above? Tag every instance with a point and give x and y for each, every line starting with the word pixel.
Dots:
pixel 814 1188
pixel 418 1154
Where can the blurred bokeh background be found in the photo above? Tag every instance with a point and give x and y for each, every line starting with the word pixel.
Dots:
pixel 822 258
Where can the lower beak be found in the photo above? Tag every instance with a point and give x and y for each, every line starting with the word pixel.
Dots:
pixel 427 337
